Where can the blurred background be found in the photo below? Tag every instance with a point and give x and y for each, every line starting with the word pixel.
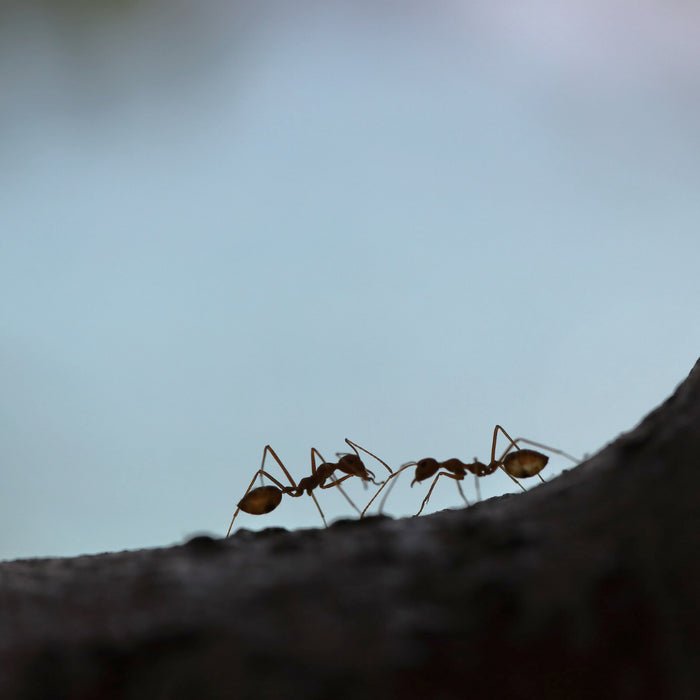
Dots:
pixel 228 224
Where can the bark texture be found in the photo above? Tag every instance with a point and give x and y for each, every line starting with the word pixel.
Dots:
pixel 586 586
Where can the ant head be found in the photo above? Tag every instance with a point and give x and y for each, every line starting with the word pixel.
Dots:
pixel 425 468
pixel 352 464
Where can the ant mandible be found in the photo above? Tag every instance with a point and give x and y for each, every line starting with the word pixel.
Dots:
pixel 520 464
pixel 265 498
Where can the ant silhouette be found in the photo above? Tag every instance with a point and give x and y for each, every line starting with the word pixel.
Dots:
pixel 520 464
pixel 265 498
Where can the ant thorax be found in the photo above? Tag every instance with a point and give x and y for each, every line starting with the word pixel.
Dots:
pixel 455 466
pixel 309 483
pixel 480 469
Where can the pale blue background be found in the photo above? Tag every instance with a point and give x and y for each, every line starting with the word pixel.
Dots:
pixel 221 228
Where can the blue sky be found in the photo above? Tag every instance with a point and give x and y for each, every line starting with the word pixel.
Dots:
pixel 391 229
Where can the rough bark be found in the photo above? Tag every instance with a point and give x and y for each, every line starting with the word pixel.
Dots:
pixel 586 586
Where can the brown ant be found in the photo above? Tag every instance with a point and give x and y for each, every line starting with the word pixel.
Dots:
pixel 520 464
pixel 265 498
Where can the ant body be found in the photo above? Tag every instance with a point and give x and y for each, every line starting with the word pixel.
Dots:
pixel 519 464
pixel 265 498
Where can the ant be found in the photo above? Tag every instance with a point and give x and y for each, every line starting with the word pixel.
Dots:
pixel 520 464
pixel 265 498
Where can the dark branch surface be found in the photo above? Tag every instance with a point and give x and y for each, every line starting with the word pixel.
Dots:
pixel 586 586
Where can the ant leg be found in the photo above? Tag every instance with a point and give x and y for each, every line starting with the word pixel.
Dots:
pixel 388 491
pixel 478 488
pixel 432 486
pixel 325 524
pixel 500 466
pixel 335 482
pixel 262 472
pixel 513 443
pixel 381 488
pixel 279 461
pixel 461 493
pixel 318 507
pixel 356 447
pixel 250 486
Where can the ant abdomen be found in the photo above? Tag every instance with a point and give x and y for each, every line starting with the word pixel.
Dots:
pixel 524 463
pixel 263 499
